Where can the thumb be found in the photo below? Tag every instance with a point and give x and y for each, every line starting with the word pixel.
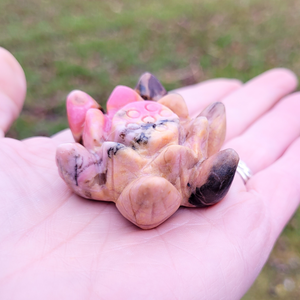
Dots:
pixel 12 89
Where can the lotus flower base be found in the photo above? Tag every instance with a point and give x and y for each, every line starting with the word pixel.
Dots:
pixel 146 154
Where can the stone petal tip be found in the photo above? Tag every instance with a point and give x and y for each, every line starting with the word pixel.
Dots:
pixel 150 88
pixel 120 96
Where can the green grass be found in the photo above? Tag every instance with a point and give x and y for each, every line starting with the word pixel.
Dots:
pixel 95 45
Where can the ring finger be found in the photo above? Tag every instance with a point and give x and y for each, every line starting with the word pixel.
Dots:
pixel 267 139
pixel 256 97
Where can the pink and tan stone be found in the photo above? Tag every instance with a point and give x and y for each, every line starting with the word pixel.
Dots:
pixel 147 156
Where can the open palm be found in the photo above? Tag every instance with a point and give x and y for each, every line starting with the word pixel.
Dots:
pixel 56 245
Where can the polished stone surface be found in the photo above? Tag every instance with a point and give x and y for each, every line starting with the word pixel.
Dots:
pixel 148 157
pixel 150 88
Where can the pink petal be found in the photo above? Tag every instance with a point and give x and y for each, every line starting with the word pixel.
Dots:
pixel 121 96
pixel 78 103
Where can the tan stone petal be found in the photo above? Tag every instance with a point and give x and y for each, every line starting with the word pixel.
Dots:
pixel 176 103
pixel 124 166
pixel 82 171
pixel 215 114
pixel 197 137
pixel 173 162
pixel 147 202
pixel 212 179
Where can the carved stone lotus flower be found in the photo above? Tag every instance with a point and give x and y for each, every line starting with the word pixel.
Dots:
pixel 146 154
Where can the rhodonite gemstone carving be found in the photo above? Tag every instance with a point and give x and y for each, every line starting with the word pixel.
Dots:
pixel 147 156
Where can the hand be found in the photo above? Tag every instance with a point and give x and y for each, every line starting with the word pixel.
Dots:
pixel 56 245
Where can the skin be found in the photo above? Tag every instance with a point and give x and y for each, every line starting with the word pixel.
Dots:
pixel 56 245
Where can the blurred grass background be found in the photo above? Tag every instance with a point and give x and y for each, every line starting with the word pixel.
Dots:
pixel 95 45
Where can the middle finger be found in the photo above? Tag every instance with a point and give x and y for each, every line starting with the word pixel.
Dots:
pixel 267 139
pixel 255 98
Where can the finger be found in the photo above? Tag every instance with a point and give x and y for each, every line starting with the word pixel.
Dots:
pixel 64 136
pixel 256 97
pixel 12 89
pixel 200 95
pixel 267 139
pixel 279 187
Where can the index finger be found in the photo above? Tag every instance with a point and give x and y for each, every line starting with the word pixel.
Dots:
pixel 200 95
